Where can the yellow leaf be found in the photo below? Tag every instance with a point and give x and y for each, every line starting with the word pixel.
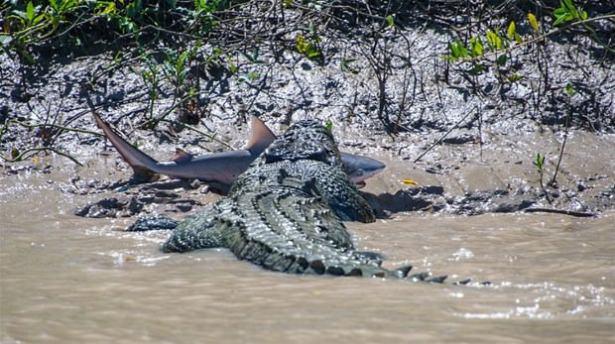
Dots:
pixel 410 182
pixel 533 21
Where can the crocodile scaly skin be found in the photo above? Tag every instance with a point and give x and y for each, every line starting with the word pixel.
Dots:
pixel 285 212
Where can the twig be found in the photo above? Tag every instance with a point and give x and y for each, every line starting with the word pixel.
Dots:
pixel 561 151
pixel 57 126
pixel 189 127
pixel 445 135
pixel 23 156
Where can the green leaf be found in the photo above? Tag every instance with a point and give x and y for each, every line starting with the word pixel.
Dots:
pixel 390 21
pixel 539 161
pixel 54 5
pixel 109 9
pixel 567 4
pixel 181 60
pixel 307 47
pixel 562 19
pixel 511 31
pixel 560 12
pixel 476 47
pixel 502 60
pixel 252 76
pixel 568 11
pixel 233 68
pixel 312 54
pixel 531 18
pixel 30 12
pixel 301 43
pixel 329 125
pixel 458 50
pixel 200 5
pixel 494 40
pixel 569 89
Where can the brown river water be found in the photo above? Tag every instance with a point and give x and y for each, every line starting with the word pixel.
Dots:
pixel 70 279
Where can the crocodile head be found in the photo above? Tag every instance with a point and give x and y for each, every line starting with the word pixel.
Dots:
pixel 306 139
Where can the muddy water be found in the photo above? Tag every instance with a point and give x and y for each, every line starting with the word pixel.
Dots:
pixel 68 279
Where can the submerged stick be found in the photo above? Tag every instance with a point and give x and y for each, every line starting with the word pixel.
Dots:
pixel 560 211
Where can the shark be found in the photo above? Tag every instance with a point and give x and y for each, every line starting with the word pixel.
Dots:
pixel 221 169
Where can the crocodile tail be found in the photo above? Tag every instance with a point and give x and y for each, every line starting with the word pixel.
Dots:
pixel 143 165
pixel 284 229
pixel 297 262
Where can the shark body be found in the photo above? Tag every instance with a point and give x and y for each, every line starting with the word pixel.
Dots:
pixel 221 169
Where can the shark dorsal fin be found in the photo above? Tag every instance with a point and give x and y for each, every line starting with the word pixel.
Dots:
pixel 261 136
pixel 182 156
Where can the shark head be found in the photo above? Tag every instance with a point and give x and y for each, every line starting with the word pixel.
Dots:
pixel 359 168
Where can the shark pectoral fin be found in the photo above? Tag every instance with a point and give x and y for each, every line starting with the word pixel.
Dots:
pixel 182 156
pixel 143 175
pixel 261 136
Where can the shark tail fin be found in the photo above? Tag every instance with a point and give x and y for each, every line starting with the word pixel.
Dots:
pixel 143 165
pixel 261 136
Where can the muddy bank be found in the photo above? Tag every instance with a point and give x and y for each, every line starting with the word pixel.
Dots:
pixel 430 119
pixel 458 175
pixel 453 178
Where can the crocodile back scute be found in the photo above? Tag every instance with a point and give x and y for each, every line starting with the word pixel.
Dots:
pixel 306 139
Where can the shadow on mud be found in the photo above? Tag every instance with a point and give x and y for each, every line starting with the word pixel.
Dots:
pixel 433 199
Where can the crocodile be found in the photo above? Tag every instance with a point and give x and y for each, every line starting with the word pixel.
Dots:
pixel 286 212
